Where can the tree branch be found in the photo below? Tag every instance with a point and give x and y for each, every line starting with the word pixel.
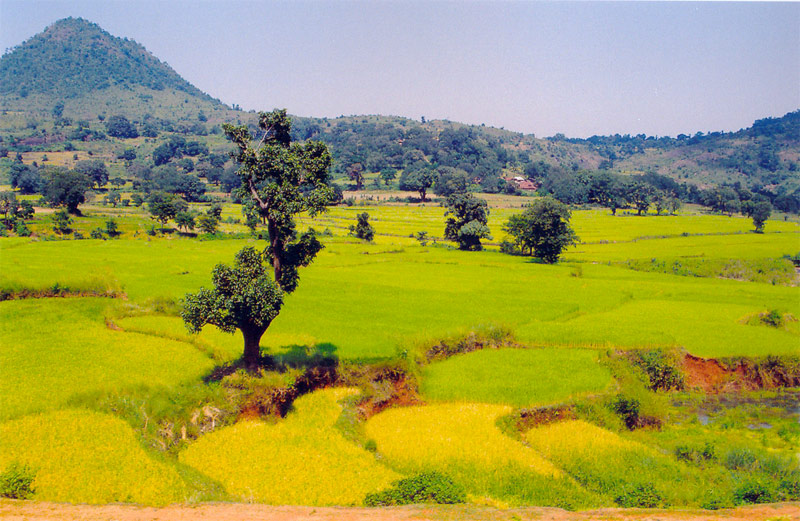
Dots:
pixel 254 193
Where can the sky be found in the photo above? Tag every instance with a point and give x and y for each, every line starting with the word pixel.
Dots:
pixel 577 68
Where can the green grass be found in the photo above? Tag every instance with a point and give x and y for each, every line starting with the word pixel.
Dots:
pixel 303 460
pixel 519 377
pixel 369 299
pixel 53 350
pixel 85 457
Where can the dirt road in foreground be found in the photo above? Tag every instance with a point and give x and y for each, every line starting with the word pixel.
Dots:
pixel 34 511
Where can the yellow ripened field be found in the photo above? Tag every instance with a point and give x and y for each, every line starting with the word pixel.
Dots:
pixel 80 456
pixel 302 460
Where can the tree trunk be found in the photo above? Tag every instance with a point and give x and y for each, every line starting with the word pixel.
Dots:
pixel 252 348
pixel 276 245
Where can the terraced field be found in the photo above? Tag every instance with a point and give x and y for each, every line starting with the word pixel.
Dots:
pixel 108 383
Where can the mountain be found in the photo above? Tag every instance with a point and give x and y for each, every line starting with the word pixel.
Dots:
pixel 91 72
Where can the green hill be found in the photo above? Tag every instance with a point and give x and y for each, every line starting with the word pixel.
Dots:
pixel 77 65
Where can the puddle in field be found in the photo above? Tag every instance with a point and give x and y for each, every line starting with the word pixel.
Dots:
pixel 783 405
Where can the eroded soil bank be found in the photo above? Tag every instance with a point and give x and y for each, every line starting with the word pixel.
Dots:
pixel 33 511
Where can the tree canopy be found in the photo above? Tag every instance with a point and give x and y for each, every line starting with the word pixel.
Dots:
pixel 467 223
pixel 282 179
pixel 543 229
pixel 244 297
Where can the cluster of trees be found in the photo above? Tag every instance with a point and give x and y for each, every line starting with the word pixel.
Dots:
pixel 360 146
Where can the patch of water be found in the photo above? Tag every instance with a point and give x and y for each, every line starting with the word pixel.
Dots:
pixel 785 404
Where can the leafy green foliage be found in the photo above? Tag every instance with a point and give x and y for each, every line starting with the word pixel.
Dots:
pixel 467 223
pixel 418 180
pixel 66 188
pixel 641 495
pixel 543 229
pixel 243 298
pixel 426 487
pixel 282 179
pixel 16 481
pixel 660 368
pixel 760 213
pixel 61 221
pixel 363 229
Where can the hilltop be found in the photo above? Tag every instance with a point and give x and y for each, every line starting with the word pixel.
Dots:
pixel 76 63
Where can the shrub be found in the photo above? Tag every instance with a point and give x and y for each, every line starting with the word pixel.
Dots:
pixel 740 459
pixel 627 409
pixel 21 229
pixel 789 487
pixel 97 233
pixel 754 491
pixel 363 229
pixel 643 495
pixel 427 487
pixel 661 370
pixel 17 482
pixel 716 500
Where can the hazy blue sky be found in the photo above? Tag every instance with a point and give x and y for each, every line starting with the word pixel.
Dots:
pixel 579 68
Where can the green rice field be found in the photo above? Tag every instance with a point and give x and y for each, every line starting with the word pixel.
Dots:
pixel 97 371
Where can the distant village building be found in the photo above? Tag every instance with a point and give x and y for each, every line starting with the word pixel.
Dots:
pixel 522 183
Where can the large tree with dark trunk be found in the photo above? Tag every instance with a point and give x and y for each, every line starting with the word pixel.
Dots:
pixel 244 298
pixel 278 179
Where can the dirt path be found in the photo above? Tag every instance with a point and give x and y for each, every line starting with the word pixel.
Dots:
pixel 33 511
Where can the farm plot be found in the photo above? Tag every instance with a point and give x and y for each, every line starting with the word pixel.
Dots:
pixel 518 377
pixel 463 441
pixel 52 350
pixel 624 471
pixel 85 457
pixel 303 460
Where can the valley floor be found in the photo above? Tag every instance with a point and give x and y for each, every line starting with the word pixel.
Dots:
pixel 39 511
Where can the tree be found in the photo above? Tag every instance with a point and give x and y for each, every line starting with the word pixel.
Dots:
pixel 8 205
pixel 26 178
pixel 207 223
pixel 543 229
pixel 163 207
pixel 760 212
pixel 61 222
pixel 356 173
pixel 185 220
pixel 418 181
pixel 66 188
pixel 119 126
pixel 244 297
pixel 388 174
pixel 641 196
pixel 94 169
pixel 468 222
pixel 363 229
pixel 114 197
pixel 451 181
pixel 282 179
